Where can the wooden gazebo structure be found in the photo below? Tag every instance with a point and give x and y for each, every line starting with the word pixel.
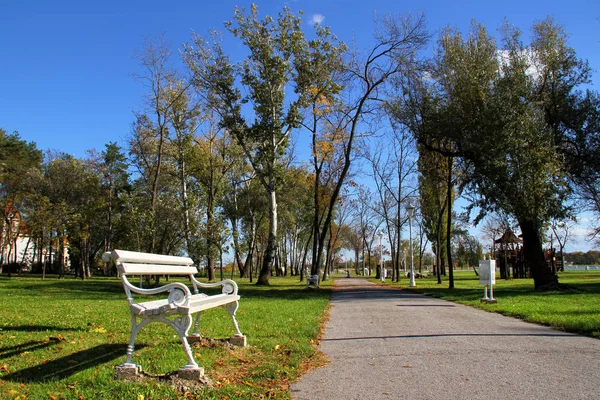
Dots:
pixel 509 255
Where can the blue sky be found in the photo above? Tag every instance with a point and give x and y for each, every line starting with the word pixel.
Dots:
pixel 66 66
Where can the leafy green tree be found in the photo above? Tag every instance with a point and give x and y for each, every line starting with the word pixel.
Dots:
pixel 238 175
pixel 433 201
pixel 210 168
pixel 266 73
pixel 17 159
pixel 111 168
pixel 491 105
pixel 321 66
pixel 73 186
pixel 468 249
pixel 164 101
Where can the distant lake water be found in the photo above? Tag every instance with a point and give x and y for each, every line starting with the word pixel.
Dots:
pixel 582 268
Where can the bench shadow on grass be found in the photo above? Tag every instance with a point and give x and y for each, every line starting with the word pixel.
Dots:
pixel 37 328
pixel 69 365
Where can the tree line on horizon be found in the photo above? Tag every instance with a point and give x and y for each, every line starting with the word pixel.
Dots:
pixel 210 166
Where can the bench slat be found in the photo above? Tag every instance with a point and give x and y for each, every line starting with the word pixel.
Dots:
pixel 155 269
pixel 204 303
pixel 199 302
pixel 145 258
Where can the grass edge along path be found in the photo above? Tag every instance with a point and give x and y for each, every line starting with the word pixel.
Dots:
pixel 61 339
pixel 575 309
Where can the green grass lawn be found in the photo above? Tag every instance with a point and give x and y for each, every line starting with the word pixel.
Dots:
pixel 61 339
pixel 575 309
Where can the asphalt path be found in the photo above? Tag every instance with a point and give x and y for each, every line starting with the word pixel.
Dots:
pixel 386 343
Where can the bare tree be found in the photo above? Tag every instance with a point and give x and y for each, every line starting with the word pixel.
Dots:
pixel 398 40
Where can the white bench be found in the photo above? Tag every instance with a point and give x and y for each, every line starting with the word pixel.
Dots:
pixel 178 305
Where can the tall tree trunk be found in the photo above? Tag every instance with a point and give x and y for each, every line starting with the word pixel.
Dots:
pixel 60 250
pixel 249 264
pixel 269 254
pixel 210 242
pixel 316 228
pixel 449 224
pixel 398 239
pixel 40 249
pixel 88 254
pixel 82 257
pixel 185 202
pixel 236 247
pixel 327 259
pixel 543 277
pixel 283 255
pixel 304 256
pixel 109 229
pixel 392 253
pixel 439 259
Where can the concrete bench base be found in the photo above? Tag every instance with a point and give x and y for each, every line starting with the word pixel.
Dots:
pixel 238 340
pixel 191 374
pixel 127 371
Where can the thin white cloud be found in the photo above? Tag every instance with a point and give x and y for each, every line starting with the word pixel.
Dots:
pixel 317 18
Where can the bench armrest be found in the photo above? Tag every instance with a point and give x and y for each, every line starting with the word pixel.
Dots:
pixel 228 286
pixel 178 292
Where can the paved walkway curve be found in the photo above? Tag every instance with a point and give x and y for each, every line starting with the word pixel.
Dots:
pixel 391 344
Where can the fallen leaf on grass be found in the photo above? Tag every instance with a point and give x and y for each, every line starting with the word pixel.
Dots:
pixel 4 368
pixel 99 330
pixel 243 361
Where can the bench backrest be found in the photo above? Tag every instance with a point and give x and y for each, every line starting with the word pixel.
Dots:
pixel 135 263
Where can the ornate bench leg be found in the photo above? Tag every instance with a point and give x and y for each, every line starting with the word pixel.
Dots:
pixel 190 371
pixel 197 324
pixel 135 328
pixel 182 325
pixel 130 369
pixel 238 339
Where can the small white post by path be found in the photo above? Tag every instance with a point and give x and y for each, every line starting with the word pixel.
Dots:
pixel 487 276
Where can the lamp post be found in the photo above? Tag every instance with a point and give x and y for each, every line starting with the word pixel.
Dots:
pixel 410 211
pixel 381 270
